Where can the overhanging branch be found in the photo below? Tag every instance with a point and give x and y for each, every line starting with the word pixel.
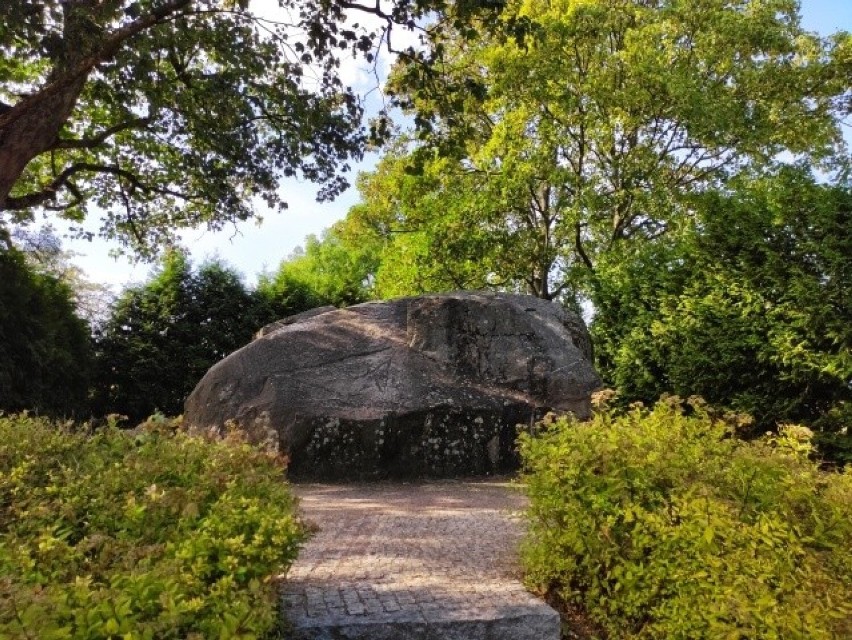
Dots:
pixel 91 143
pixel 49 192
pixel 374 10
pixel 64 181
pixel 109 47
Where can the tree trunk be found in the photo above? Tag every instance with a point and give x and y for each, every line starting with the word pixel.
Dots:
pixel 33 133
pixel 31 127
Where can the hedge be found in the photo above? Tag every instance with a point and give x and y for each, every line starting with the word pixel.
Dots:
pixel 660 524
pixel 155 534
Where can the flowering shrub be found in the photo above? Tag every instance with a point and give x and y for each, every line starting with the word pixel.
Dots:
pixel 661 525
pixel 152 535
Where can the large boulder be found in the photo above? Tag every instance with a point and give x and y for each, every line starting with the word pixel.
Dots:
pixel 428 386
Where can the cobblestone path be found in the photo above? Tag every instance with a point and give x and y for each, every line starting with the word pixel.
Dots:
pixel 430 561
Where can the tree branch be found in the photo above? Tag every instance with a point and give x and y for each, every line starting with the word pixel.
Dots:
pixel 562 287
pixel 91 143
pixel 578 244
pixel 375 10
pixel 49 192
pixel 110 46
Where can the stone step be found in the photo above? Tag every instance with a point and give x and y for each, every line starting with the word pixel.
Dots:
pixel 536 623
pixel 433 561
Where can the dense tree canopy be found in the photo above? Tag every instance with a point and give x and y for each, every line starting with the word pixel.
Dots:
pixel 430 238
pixel 748 307
pixel 579 126
pixel 172 113
pixel 338 269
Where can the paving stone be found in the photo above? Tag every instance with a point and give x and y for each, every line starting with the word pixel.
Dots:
pixel 434 561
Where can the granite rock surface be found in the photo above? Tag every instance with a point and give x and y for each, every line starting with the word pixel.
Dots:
pixel 430 386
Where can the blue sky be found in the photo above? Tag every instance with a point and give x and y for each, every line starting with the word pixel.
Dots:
pixel 252 248
pixel 826 16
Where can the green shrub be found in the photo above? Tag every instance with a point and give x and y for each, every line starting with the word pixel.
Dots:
pixel 747 306
pixel 153 535
pixel 662 525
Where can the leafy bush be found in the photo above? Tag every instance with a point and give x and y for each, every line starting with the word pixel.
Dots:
pixel 153 535
pixel 661 525
pixel 748 307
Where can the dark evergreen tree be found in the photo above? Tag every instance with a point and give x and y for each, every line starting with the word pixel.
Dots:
pixel 45 349
pixel 164 335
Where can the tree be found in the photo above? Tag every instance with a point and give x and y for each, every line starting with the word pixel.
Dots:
pixel 581 126
pixel 43 252
pixel 337 269
pixel 430 237
pixel 748 307
pixel 164 335
pixel 169 113
pixel 45 350
pixel 175 113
